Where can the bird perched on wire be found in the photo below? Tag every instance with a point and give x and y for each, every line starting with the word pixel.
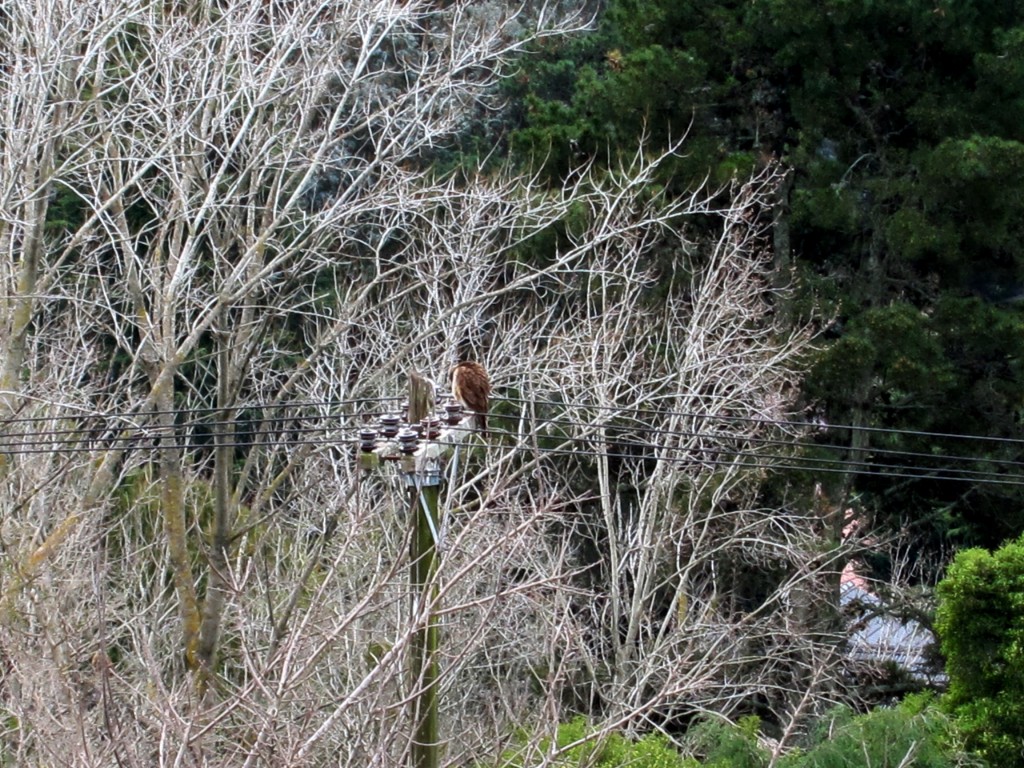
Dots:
pixel 472 388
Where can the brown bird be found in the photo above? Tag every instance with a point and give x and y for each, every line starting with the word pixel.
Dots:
pixel 472 388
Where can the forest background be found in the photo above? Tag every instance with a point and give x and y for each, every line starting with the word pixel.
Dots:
pixel 747 279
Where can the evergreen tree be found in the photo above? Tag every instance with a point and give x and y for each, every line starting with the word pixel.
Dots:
pixel 901 124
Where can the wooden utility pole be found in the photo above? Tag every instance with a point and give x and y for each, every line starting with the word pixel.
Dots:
pixel 423 487
pixel 420 448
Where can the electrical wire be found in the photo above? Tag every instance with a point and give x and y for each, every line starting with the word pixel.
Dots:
pixel 182 446
pixel 774 422
pixel 132 414
pixel 764 462
pixel 154 432
pixel 778 466
pixel 286 430
pixel 636 413
pixel 708 455
pixel 640 429
pixel 79 440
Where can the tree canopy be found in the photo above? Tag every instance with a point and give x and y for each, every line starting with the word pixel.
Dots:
pixel 900 124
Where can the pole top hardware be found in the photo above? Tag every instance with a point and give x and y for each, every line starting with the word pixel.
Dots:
pixel 367 439
pixel 453 413
pixel 408 440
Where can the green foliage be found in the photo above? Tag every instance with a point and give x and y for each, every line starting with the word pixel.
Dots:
pixel 914 372
pixel 980 621
pixel 729 745
pixel 11 731
pixel 913 733
pixel 595 98
pixel 882 738
pixel 578 745
pixel 66 212
pixel 965 191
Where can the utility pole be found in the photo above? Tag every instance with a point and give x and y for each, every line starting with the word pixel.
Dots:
pixel 423 490
pixel 420 448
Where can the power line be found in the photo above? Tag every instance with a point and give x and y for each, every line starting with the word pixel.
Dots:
pixel 743 460
pixel 643 416
pixel 82 413
pixel 287 429
pixel 709 455
pixel 839 467
pixel 324 442
pixel 158 431
pixel 205 436
pixel 641 429
pixel 774 422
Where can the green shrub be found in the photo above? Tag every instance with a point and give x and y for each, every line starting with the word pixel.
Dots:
pixel 728 745
pixel 980 621
pixel 576 744
pixel 913 733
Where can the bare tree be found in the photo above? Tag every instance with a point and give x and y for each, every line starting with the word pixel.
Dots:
pixel 681 592
pixel 224 242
